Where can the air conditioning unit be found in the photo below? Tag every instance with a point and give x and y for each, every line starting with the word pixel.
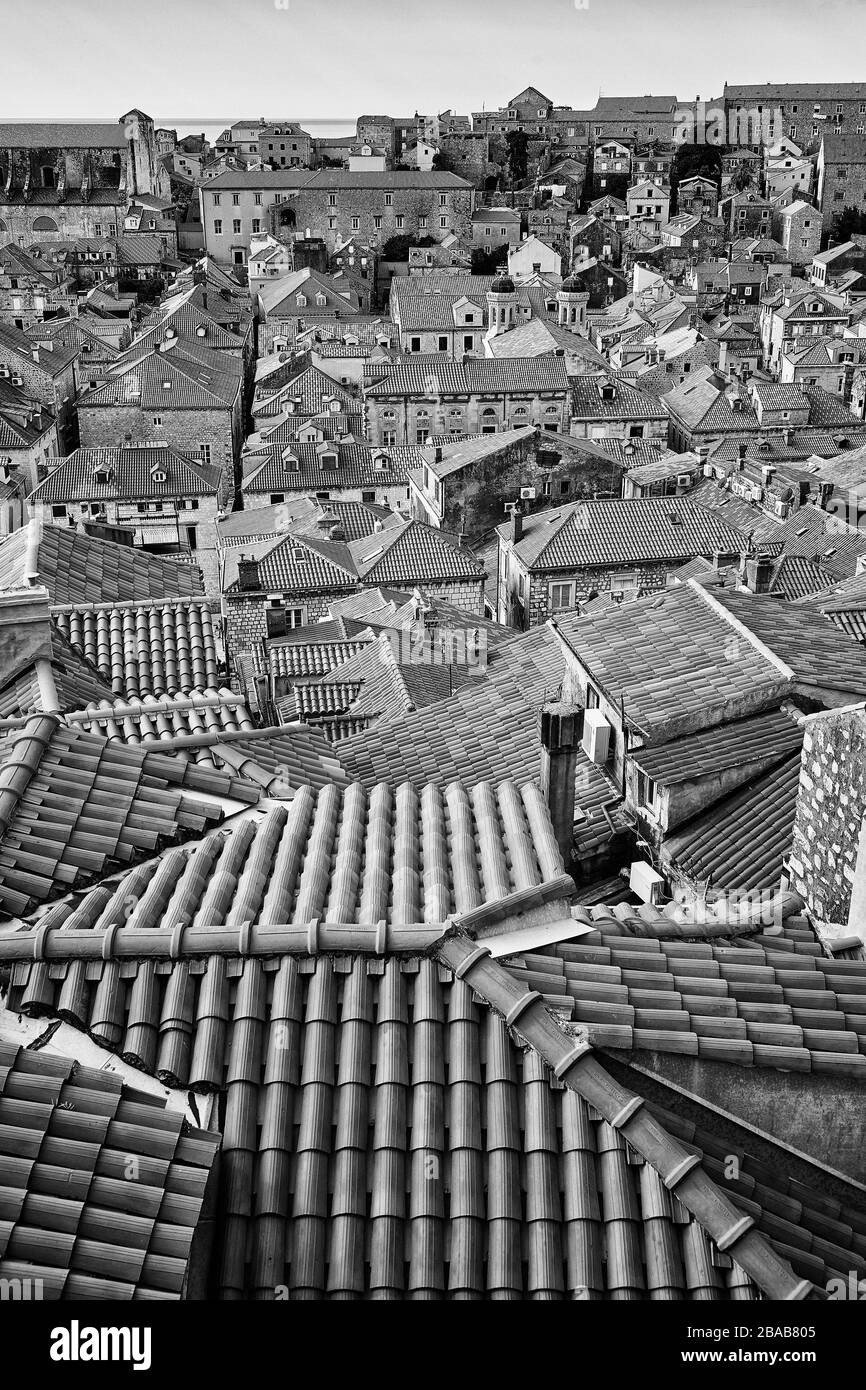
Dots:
pixel 596 736
pixel 683 479
pixel 5 372
pixel 645 881
pixel 527 494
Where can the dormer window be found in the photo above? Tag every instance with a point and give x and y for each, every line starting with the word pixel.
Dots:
pixel 329 460
pixel 102 475
pixel 608 392
pixel 158 475
pixel 291 462
pixel 321 299
pixel 382 463
pixel 299 554
pixel 301 300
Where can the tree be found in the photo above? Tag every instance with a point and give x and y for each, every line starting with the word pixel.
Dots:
pixel 850 220
pixel 396 248
pixel 615 186
pixel 518 155
pixel 439 161
pixel 486 261
pixel 690 160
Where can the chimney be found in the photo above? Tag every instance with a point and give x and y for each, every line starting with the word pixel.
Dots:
pixel 248 574
pixel 36 354
pixel 561 732
pixel 759 572
pixel 516 523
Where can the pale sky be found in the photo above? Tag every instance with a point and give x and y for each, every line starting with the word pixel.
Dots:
pixel 199 61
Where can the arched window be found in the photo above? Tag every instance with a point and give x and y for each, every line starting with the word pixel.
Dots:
pixel 44 224
pixel 489 411
pixel 552 410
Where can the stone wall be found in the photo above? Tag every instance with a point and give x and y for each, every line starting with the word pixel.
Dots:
pixel 830 806
pixel 107 426
pixel 377 219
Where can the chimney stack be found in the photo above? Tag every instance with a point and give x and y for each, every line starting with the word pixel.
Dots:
pixel 561 732
pixel 516 523
pixel 248 573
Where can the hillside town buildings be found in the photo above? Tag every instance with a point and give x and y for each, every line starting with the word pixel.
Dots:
pixel 433 701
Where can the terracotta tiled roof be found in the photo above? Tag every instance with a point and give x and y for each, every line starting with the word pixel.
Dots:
pixel 75 682
pixel 621 532
pixel 408 552
pixel 475 375
pixel 577 1188
pixel 302 660
pixel 743 841
pixel 772 999
pixel 72 1220
pixel 72 806
pixel 677 656
pixel 773 734
pixel 76 568
pixel 128 472
pixel 154 648
pixel 153 720
pixel 141 382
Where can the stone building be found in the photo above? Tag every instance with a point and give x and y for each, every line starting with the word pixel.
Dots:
pixel 169 502
pixel 46 374
pixel 337 205
pixel 466 485
pixel 415 400
pixel 291 581
pixel 76 179
pixel 802 111
pixel 187 397
pixel 798 227
pixel 842 173
pixel 827 855
pixel 285 145
pixel 551 560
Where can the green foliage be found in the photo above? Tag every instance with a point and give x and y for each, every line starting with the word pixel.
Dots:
pixel 487 261
pixel 850 220
pixel 518 160
pixel 396 248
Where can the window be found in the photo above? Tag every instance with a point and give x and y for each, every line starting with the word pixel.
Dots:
pixel 443 342
pixel 58 511
pixel 258 200
pixel 443 200
pixel 218 226
pixel 422 223
pixel 561 596
pixel 257 224
pixel 443 223
pixel 204 453
pixel 399 221
pixel 414 344
pixel 236 226
pixel 216 200
pixel 236 199
pixel 647 793
pixel 389 436
pixel 377 222
pixel 332 200
pixel 389 199
pixel 157 420
pixel 468 342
